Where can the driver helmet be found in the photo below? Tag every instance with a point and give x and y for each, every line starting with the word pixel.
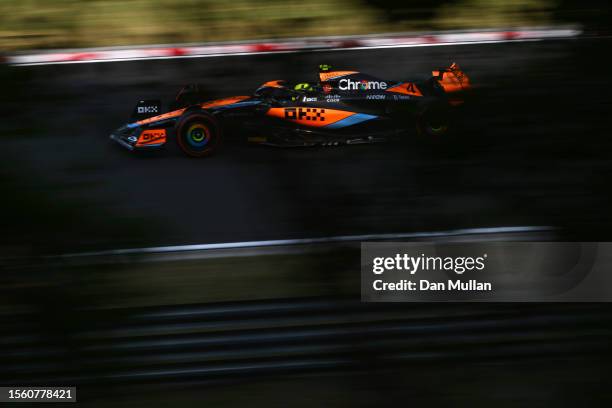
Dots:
pixel 304 86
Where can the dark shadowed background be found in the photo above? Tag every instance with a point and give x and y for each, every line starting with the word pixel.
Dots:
pixel 287 328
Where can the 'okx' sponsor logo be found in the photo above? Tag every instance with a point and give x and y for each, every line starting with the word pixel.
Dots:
pixel 147 109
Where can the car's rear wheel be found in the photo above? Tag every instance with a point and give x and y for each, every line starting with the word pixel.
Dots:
pixel 434 123
pixel 198 134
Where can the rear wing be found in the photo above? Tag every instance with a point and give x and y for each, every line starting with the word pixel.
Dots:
pixel 452 79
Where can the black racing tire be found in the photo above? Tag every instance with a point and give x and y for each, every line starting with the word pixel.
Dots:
pixel 198 134
pixel 435 123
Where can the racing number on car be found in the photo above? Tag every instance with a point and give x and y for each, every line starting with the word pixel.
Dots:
pixel 314 114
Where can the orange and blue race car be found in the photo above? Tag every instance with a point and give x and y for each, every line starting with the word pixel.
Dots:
pixel 341 107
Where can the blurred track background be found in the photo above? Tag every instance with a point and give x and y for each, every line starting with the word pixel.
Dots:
pixel 533 151
pixel 536 152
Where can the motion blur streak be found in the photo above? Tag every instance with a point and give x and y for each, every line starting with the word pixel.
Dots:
pixel 246 340
pixel 165 52
pixel 482 232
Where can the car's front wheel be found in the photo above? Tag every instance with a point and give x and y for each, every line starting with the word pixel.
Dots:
pixel 198 134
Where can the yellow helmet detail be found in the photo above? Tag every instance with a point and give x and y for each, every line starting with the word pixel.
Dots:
pixel 304 86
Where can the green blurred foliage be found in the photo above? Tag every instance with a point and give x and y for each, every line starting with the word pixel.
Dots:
pixel 73 23
pixel 487 13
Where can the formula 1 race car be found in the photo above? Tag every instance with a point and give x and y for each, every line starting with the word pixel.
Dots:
pixel 342 107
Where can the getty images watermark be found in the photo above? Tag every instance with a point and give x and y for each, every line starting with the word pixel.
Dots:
pixel 494 271
pixel 412 264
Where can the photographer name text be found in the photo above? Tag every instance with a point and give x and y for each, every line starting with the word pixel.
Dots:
pixel 414 264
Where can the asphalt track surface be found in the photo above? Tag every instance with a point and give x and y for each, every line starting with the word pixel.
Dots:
pixel 534 149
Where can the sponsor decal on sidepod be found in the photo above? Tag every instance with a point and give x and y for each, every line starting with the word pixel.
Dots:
pixel 346 84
